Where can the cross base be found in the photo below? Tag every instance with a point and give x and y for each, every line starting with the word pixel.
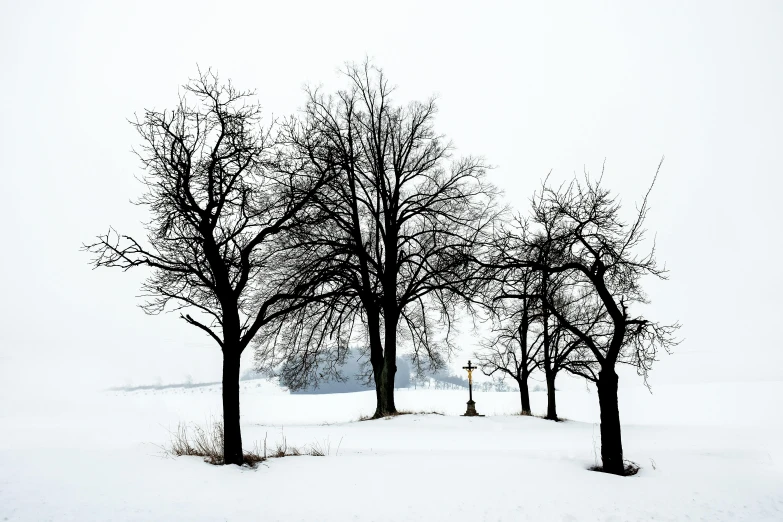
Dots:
pixel 472 410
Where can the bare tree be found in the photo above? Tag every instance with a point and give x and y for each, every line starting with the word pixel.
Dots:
pixel 513 349
pixel 560 348
pixel 578 234
pixel 402 215
pixel 525 334
pixel 220 192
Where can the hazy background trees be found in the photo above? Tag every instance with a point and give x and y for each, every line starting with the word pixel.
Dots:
pixel 353 375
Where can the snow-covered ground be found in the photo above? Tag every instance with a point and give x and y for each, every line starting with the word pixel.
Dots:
pixel 708 452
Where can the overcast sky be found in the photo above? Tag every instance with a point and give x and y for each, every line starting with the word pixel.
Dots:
pixel 531 86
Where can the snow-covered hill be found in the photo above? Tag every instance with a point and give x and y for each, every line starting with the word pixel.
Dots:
pixel 712 457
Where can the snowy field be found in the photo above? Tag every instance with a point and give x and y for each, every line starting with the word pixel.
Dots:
pixel 713 456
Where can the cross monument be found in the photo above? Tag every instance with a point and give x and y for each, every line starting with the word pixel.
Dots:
pixel 471 403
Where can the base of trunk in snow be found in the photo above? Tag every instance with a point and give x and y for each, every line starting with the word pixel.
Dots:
pixel 629 469
pixel 471 410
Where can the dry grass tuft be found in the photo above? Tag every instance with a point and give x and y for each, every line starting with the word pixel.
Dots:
pixel 207 443
pixel 316 449
pixel 256 456
pixel 323 448
pixel 203 442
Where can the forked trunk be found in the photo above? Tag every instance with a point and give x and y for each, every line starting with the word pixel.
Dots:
pixel 232 434
pixel 611 440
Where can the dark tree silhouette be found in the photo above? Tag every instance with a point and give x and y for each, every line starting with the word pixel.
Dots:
pixel 577 233
pixel 554 291
pixel 220 192
pixel 525 334
pixel 560 350
pixel 513 348
pixel 401 216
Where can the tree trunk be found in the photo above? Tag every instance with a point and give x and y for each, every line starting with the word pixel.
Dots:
pixel 524 394
pixel 551 404
pixel 524 326
pixel 391 315
pixel 376 360
pixel 611 440
pixel 232 434
pixel 377 371
pixel 386 406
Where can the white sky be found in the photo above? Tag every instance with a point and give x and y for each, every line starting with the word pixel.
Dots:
pixel 530 86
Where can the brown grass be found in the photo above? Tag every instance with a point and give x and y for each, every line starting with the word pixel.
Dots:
pixel 203 442
pixel 207 443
